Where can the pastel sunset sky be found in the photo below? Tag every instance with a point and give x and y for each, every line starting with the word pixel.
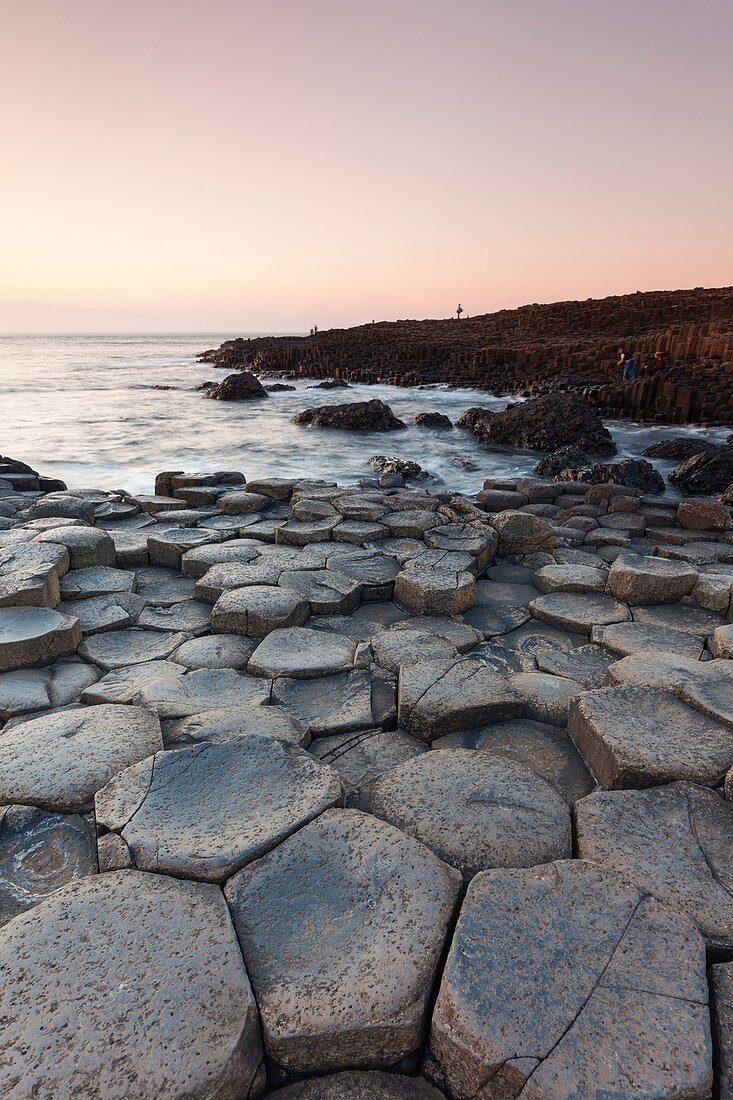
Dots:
pixel 230 165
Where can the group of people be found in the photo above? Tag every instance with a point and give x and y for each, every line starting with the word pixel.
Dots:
pixel 627 364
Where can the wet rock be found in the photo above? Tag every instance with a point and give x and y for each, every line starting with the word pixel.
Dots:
pixel 433 420
pixel 578 611
pixel 568 457
pixel 673 841
pixel 627 638
pixel 243 386
pixel 643 580
pixel 35 636
pixel 545 424
pixel 438 697
pixel 473 810
pixel 564 980
pixel 638 737
pixel 341 703
pixel 454 630
pixel 149 1019
pixel 372 416
pixel 299 652
pixel 163 587
pixel 215 651
pixel 679 447
pixel 39 854
pixel 545 697
pixel 206 811
pixel 711 471
pixel 363 756
pixel 403 467
pixel 634 473
pixel 349 982
pixel 59 762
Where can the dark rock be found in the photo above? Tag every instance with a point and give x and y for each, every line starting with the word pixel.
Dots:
pixel 635 473
pixel 370 416
pixel 711 471
pixel 679 447
pixel 278 387
pixel 473 417
pixel 433 420
pixel 238 387
pixel 207 386
pixel 543 424
pixel 408 471
pixel 329 384
pixel 566 458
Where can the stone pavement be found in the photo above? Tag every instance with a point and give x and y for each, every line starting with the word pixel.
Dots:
pixel 323 792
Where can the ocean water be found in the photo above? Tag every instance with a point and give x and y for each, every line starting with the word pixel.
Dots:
pixel 85 408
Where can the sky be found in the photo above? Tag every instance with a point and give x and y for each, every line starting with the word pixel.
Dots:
pixel 233 165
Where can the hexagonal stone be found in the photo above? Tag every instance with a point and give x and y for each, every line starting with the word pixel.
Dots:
pixel 547 750
pixel 219 724
pixel 638 737
pixel 628 638
pixel 468 538
pixel 35 636
pixel 454 630
pixel 123 685
pixel 25 557
pixel 711 695
pixel 168 547
pixel 658 669
pixel 393 648
pixel 474 810
pixel 641 580
pixel 60 761
pixel 163 587
pixel 119 648
pixel 327 591
pixel 587 664
pixel 28 690
pixel 215 651
pixel 241 502
pixel 195 563
pixel 101 964
pixel 87 546
pixel 364 1085
pixel 683 617
pixel 564 980
pixel 39 854
pixel 226 576
pixel 435 592
pixel 96 580
pixel 522 533
pixel 303 532
pixel 361 757
pixel 349 981
pixel 299 652
pixel 374 572
pixel 412 523
pixel 189 616
pixel 257 610
pixel 675 842
pixel 570 578
pixel 721 642
pixel 578 611
pixel 340 703
pixel 32 587
pixel 518 650
pixel 545 698
pixel 178 696
pixel 438 697
pixel 203 812
pixel 721 986
pixel 101 613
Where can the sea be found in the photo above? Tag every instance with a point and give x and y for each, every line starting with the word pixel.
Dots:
pixel 110 411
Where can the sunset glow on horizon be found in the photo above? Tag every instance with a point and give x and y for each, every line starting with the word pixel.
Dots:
pixel 234 166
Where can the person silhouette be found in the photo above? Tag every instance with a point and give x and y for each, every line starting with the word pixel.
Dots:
pixel 459 311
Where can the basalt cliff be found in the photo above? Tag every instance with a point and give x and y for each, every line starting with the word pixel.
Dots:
pixel 533 350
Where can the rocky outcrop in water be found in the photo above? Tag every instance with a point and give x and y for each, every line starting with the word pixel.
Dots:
pixel 366 416
pixel 237 387
pixel 407 470
pixel 542 424
pixel 433 420
pixel 711 471
pixel 680 447
pixel 566 458
pixel 632 472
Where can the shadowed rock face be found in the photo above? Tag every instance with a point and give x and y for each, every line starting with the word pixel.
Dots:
pixel 237 387
pixel 370 416
pixel 545 424
pixel 635 473
pixel 711 471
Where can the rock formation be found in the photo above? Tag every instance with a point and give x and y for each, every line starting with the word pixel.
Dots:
pixel 367 416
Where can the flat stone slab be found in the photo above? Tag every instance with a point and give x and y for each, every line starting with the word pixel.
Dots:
pixel 438 697
pixel 168 547
pixel 37 587
pixel 659 669
pixel 545 698
pixel 163 587
pixel 721 986
pixel 587 664
pixel 393 648
pixel 39 854
pixel 455 630
pixel 431 590
pixel 120 648
pixel 644 580
pixel 518 650
pixel 545 749
pixel 257 610
pixel 203 812
pixel 102 613
pixel 673 841
pixel 711 695
pixel 564 980
pixel 178 696
pixel 87 546
pixel 627 638
pixel 356 1085
pixel 60 761
pixel 570 578
pixel 474 810
pixel 373 571
pixel 327 591
pixel 142 991
pixel 195 563
pixel 35 636
pixel 348 982
pixel 124 685
pixel 299 652
pixel 215 651
pixel 363 756
pixel 96 580
pixel 34 689
pixel 578 611
pixel 638 737
pixel 341 703
pixel 229 723
pixel 683 617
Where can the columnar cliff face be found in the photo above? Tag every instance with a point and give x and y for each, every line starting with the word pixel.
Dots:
pixel 536 349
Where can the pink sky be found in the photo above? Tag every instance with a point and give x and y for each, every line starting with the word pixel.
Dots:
pixel 231 165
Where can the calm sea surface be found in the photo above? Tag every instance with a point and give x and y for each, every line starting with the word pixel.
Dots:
pixel 85 408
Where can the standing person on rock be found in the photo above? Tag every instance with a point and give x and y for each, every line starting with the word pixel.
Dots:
pixel 627 363
pixel 459 311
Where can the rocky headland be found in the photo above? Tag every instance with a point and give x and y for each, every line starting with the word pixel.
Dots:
pixel 537 349
pixel 361 792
